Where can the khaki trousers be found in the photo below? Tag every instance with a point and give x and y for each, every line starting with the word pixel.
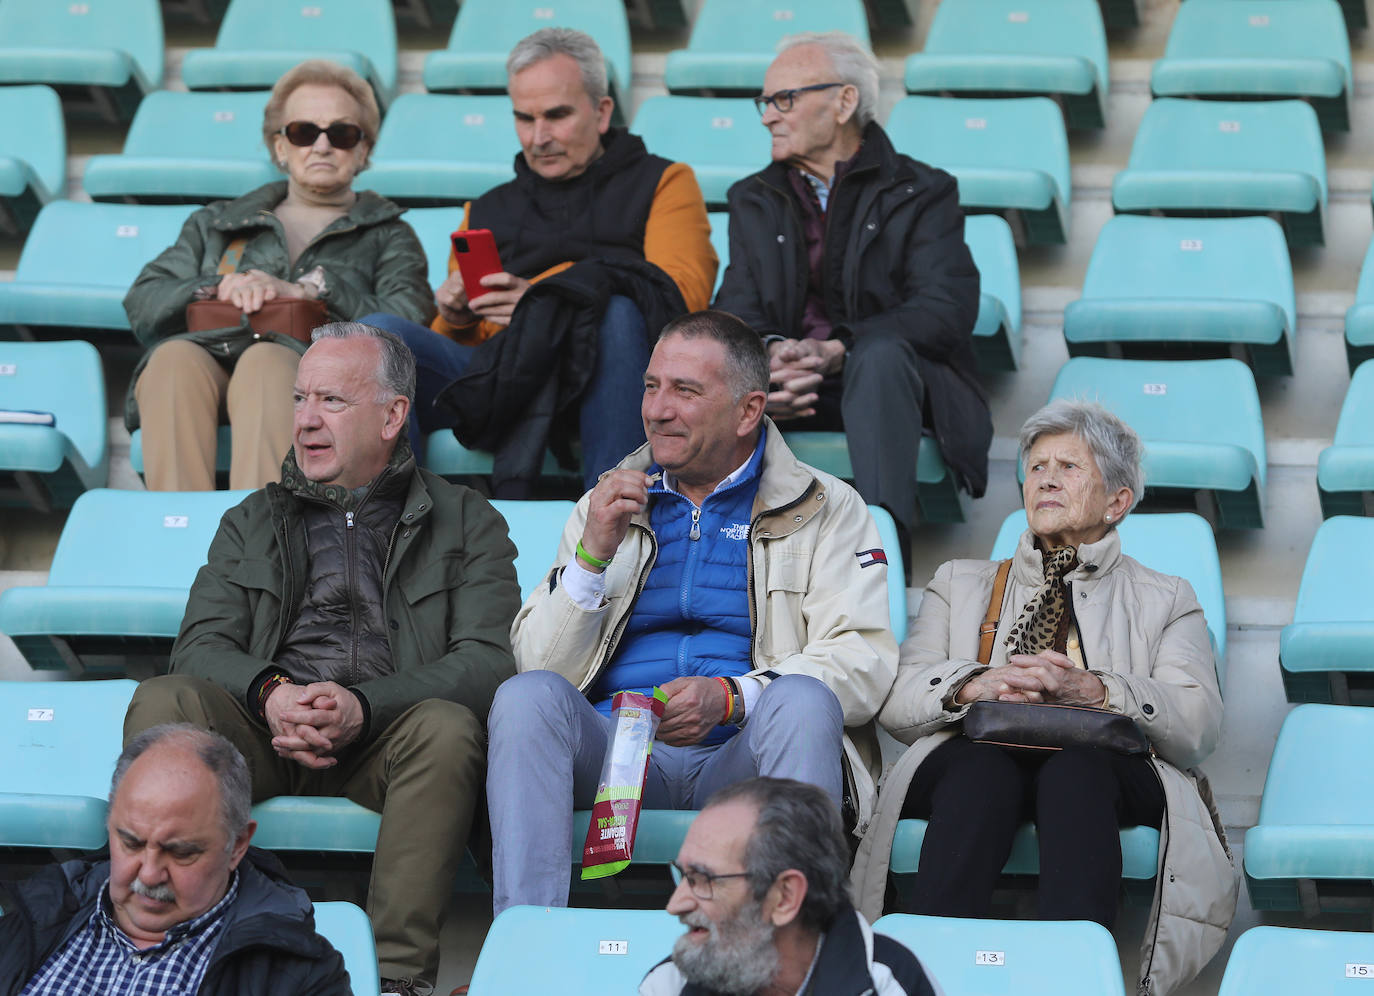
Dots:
pixel 185 393
pixel 422 774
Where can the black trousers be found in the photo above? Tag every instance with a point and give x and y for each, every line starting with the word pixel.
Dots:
pixel 975 796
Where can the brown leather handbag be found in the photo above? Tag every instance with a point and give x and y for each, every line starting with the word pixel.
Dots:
pixel 294 317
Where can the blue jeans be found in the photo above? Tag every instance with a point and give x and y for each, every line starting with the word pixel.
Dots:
pixel 609 422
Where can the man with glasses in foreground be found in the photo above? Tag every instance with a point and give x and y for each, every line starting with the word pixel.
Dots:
pixel 763 890
pixel 850 259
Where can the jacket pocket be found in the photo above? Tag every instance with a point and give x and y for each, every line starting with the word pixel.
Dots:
pixel 257 574
pixel 437 576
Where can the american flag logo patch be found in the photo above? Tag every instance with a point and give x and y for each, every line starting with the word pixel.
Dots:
pixel 867 558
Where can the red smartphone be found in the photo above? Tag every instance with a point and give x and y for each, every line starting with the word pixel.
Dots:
pixel 475 251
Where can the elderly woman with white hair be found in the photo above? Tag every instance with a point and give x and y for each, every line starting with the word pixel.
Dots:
pixel 1069 620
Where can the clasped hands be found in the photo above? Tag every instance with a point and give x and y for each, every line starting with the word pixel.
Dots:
pixel 796 368
pixel 250 290
pixel 312 723
pixel 1044 677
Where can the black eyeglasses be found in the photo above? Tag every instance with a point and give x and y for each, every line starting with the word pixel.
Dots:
pixel 342 135
pixel 702 883
pixel 783 99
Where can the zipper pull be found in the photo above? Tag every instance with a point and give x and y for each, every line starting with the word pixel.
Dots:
pixel 348 517
pixel 695 534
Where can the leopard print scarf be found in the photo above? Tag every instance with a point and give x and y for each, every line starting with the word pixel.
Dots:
pixel 1043 623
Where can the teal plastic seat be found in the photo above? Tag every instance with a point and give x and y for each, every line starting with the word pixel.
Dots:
pixel 1313 846
pixel 187 148
pixel 580 952
pixel 535 529
pixel 1223 158
pixel 78 262
pixel 1359 319
pixel 1325 653
pixel 119 579
pixel 47 466
pixel 433 226
pixel 438 149
pixel 349 930
pixel 1010 156
pixel 447 457
pixel 61 739
pixel 102 57
pixel 1200 423
pixel 1055 48
pixel 997 333
pixel 1204 286
pixel 1025 957
pixel 719 137
pixel 316 823
pixel 1278 961
pixel 223 444
pixel 33 154
pixel 259 40
pixel 720 242
pixel 486 31
pixel 733 42
pixel 1345 469
pixel 937 496
pixel 1257 48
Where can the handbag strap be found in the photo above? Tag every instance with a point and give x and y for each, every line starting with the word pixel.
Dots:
pixel 233 252
pixel 991 618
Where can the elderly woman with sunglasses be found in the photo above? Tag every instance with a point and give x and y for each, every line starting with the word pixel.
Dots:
pixel 310 237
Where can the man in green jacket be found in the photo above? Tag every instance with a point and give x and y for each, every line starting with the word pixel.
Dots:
pixel 348 634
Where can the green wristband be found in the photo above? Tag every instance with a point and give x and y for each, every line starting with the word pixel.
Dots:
pixel 594 561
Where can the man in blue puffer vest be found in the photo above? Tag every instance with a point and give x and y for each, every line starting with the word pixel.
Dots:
pixel 712 563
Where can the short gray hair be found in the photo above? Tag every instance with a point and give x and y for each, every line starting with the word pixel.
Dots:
pixel 798 826
pixel 746 361
pixel 216 753
pixel 853 64
pixel 396 375
pixel 1114 444
pixel 580 46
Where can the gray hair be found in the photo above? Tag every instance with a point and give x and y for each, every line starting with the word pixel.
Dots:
pixel 853 64
pixel 396 375
pixel 746 361
pixel 580 46
pixel 798 826
pixel 216 753
pixel 1114 444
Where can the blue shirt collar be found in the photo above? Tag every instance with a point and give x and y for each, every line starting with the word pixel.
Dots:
pixel 747 471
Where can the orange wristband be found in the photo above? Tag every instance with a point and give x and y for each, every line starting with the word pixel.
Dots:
pixel 729 699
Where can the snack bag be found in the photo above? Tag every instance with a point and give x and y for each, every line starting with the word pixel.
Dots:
pixel 615 813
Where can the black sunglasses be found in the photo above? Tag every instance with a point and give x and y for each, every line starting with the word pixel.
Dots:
pixel 783 99
pixel 342 135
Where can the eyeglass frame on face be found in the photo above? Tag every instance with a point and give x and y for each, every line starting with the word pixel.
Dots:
pixel 336 132
pixel 789 97
pixel 692 875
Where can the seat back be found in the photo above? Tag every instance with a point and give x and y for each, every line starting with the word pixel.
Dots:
pixel 1318 775
pixel 443 148
pixel 719 137
pixel 102 245
pixel 1278 961
pixel 348 928
pixel 130 27
pixel 36 135
pixel 64 378
pixel 535 528
pixel 433 226
pixel 720 242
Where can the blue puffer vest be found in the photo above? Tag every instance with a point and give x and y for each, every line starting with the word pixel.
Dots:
pixel 692 618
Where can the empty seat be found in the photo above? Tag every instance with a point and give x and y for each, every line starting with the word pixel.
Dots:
pixel 1209 157
pixel 1026 957
pixel 734 41
pixel 442 149
pixel 719 137
pixel 259 40
pixel 47 466
pixel 1359 319
pixel 1260 48
pixel 1204 286
pixel 78 262
pixel 1313 846
pixel 33 154
pixel 1278 961
pixel 720 242
pixel 997 333
pixel 187 148
pixel 103 56
pixel 1345 469
pixel 1010 156
pixel 535 528
pixel 937 495
pixel 433 226
pixel 348 928
pixel 1056 48
pixel 119 579
pixel 1200 423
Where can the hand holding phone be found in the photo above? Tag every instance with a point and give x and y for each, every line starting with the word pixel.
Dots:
pixel 475 251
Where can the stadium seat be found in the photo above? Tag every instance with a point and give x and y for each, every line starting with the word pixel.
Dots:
pixel 47 466
pixel 1345 469
pixel 1325 653
pixel 1221 158
pixel 447 457
pixel 1260 48
pixel 581 952
pixel 1054 48
pixel 734 41
pixel 442 149
pixel 487 30
pixel 997 333
pixel 1199 420
pixel 434 226
pixel 348 928
pixel 102 57
pixel 117 588
pixel 60 740
pixel 186 148
pixel 720 242
pixel 1026 957
pixel 535 529
pixel 259 40
pixel 33 154
pixel 1010 156
pixel 1197 286
pixel 937 496
pixel 719 137
pixel 1313 846
pixel 78 262
pixel 223 443
pixel 1359 320
pixel 1278 961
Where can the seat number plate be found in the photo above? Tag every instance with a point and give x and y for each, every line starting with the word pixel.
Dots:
pixel 997 958
pixel 613 947
pixel 1156 388
pixel 45 716
pixel 175 522
pixel 1359 970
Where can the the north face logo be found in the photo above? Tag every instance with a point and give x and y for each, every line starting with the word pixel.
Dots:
pixel 736 531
